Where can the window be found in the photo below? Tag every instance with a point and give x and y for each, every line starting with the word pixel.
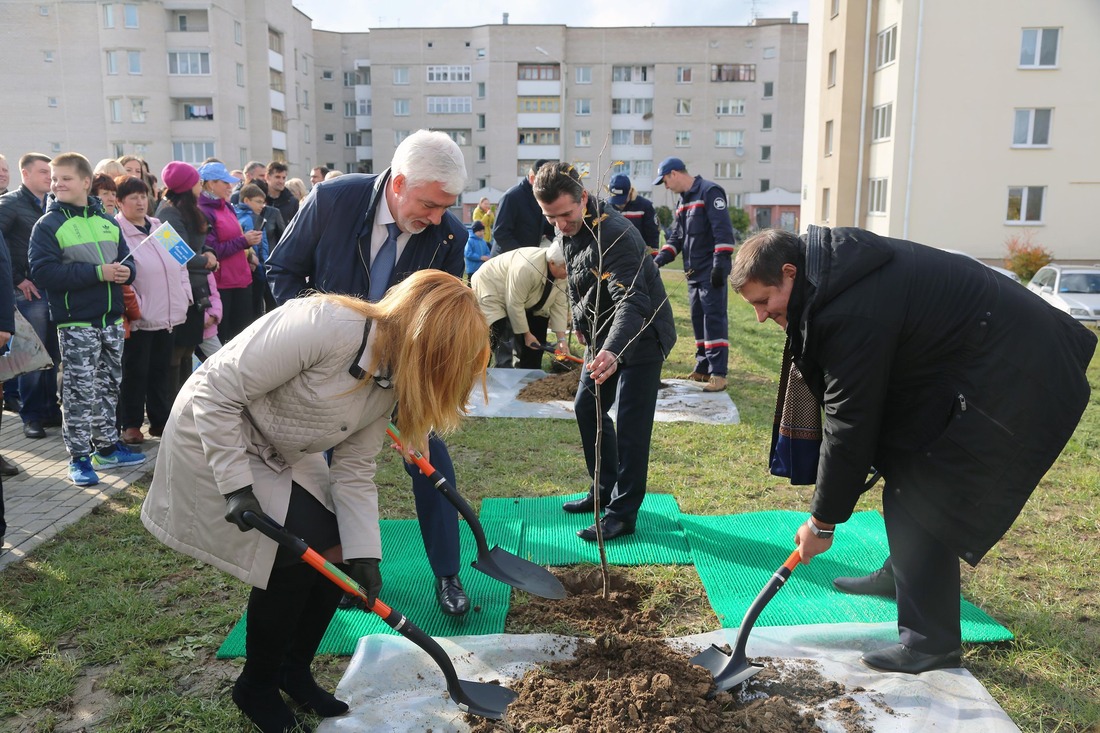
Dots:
pixel 887 49
pixel 137 110
pixel 242 117
pixel 351 139
pixel 133 61
pixel 480 153
pixel 539 72
pixel 733 72
pixel 765 185
pixel 1032 127
pixel 683 74
pixel 632 137
pixel 683 138
pixel 192 152
pixel 583 107
pixel 769 52
pixel 327 75
pixel 766 121
pixel 826 201
pixel 130 15
pixel 461 137
pixel 47 56
pixel 765 153
pixel 876 196
pixel 683 106
pixel 363 107
pixel 448 74
pixel 832 68
pixel 835 9
pixel 1039 47
pixel 305 98
pixel 278 120
pixel 401 107
pixel 115 106
pixel 238 32
pixel 632 105
pixel 51 101
pixel 828 137
pixel 481 90
pixel 449 105
pixel 1025 204
pixel 112 62
pixel 539 137
pixel 55 147
pixel 729 138
pixel 351 78
pixel 330 137
pixel 44 11
pixel 329 106
pixel 109 15
pixel 727 169
pixel 729 107
pixel 276 80
pixel 481 120
pixel 769 89
pixel 620 73
pixel 642 169
pixel 192 111
pixel 274 40
pixel 240 75
pixel 188 63
pixel 582 138
pixel 401 75
pixel 583 74
pixel 538 104
pixel 350 108
pixel 181 22
pixel 881 121
pixel 481 53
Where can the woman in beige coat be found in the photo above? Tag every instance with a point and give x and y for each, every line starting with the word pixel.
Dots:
pixel 249 429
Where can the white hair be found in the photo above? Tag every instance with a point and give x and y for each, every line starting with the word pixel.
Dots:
pixel 430 157
pixel 555 255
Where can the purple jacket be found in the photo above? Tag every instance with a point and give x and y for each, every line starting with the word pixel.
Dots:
pixel 227 240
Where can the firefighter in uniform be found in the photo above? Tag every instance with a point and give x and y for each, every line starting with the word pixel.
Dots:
pixel 638 210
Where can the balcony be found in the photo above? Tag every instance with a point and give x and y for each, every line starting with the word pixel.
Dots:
pixel 534 152
pixel 364 152
pixel 274 60
pixel 277 100
pixel 278 139
pixel 538 119
pixel 538 88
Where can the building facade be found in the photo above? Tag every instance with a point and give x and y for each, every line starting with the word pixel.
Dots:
pixel 963 125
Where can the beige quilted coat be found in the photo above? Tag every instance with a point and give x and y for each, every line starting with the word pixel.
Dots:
pixel 261 411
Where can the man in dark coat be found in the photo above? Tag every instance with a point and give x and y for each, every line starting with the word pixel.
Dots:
pixel 957 384
pixel 519 221
pixel 621 312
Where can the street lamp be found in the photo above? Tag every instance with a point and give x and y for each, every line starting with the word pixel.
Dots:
pixel 561 99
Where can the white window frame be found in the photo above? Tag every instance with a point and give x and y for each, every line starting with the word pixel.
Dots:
pixel 114 107
pixel 886 47
pixel 112 63
pixel 401 107
pixel 683 75
pixel 447 74
pixel 400 75
pixel 448 105
pixel 327 75
pixel 766 121
pixel 729 138
pixel 240 75
pixel 238 33
pixel 350 108
pixel 729 170
pixel 330 137
pixel 109 15
pixel 765 153
pixel 130 12
pixel 828 144
pixel 199 60
pixel 877 190
pixel 769 90
pixel 729 107
pixel 1027 117
pixel 682 138
pixel 582 138
pixel 582 107
pixel 1040 39
pixel 882 122
pixel 1025 194
pixel 481 120
pixel 137 110
pixel 193 151
pixel 242 117
pixel 683 107
pixel 831 78
pixel 131 57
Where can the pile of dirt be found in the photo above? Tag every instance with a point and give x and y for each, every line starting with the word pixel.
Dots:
pixel 628 679
pixel 554 387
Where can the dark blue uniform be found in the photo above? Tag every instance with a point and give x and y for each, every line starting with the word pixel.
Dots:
pixel 639 212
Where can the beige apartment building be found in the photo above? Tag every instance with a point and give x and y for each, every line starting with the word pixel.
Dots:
pixel 961 125
pixel 248 79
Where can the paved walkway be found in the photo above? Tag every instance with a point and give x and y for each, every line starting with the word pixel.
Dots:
pixel 41 500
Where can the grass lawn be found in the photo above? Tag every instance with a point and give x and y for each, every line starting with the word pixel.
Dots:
pixel 104 625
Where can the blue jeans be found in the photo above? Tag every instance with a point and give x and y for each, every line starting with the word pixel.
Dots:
pixel 38 390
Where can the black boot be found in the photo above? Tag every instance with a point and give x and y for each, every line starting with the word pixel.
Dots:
pixel 295 678
pixel 878 583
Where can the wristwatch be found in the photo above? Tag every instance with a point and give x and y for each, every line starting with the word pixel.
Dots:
pixel 825 534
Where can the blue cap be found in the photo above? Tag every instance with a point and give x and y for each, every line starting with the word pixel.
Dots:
pixel 216 172
pixel 667 166
pixel 619 189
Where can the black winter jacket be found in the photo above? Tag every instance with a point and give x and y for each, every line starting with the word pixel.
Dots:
pixel 519 221
pixel 958 384
pixel 19 211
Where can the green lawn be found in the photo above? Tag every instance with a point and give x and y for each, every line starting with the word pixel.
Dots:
pixel 105 603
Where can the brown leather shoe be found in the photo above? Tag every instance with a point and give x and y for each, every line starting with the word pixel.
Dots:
pixel 715 384
pixel 133 436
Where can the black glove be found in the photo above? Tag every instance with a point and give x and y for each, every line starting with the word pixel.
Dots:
pixel 364 570
pixel 718 277
pixel 239 502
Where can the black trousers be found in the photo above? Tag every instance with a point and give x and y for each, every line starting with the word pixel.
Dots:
pixel 147 382
pixel 236 312
pixel 531 358
pixel 501 341
pixel 438 518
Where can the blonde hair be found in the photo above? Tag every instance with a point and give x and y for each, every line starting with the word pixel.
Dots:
pixel 433 337
pixel 110 167
pixel 297 187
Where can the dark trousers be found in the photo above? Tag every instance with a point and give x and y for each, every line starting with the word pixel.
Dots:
pixel 928 582
pixel 262 299
pixel 501 341
pixel 709 321
pixel 531 358
pixel 624 459
pixel 236 312
pixel 3 522
pixel 37 390
pixel 147 382
pixel 438 518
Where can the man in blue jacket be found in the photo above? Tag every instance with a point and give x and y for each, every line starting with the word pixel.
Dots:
pixel 358 235
pixel 519 221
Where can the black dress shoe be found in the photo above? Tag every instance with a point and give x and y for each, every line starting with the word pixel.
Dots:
pixel 584 505
pixel 612 528
pixel 878 583
pixel 900 658
pixel 33 429
pixel 452 599
pixel 7 469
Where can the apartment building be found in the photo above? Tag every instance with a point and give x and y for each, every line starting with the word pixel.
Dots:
pixel 962 125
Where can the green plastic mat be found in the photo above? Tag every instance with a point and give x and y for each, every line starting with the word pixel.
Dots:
pixel 737 554
pixel 550 534
pixel 407 585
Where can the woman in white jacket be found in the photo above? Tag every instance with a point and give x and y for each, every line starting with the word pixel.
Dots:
pixel 249 430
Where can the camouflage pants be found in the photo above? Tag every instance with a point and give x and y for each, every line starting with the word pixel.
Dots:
pixel 92 362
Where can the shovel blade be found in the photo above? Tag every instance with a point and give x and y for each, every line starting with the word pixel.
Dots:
pixel 482 699
pixel 519 573
pixel 728 670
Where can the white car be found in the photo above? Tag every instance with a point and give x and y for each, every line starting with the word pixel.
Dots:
pixel 1071 289
pixel 1007 273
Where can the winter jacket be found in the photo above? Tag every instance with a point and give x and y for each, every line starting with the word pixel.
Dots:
pixel 959 385
pixel 20 210
pixel 475 249
pixel 512 283
pixel 271 226
pixel 612 275
pixel 285 202
pixel 639 211
pixel 68 247
pixel 702 231
pixel 227 240
pixel 327 245
pixel 262 411
pixel 520 222
pixel 487 218
pixel 162 286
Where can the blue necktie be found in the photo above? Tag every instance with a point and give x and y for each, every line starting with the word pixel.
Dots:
pixel 382 268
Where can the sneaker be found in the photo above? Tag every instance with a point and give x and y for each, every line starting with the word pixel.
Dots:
pixel 81 473
pixel 119 455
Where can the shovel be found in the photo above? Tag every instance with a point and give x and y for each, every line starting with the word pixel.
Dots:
pixel 496 563
pixel 562 355
pixel 477 698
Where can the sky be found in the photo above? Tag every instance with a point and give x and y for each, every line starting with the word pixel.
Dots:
pixel 358 16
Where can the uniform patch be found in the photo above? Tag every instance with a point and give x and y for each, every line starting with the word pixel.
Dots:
pixel 719 203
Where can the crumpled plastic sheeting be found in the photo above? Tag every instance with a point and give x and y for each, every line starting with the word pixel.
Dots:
pixel 681 401
pixel 392 685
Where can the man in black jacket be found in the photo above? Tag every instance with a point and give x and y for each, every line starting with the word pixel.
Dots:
pixel 519 221
pixel 278 195
pixel 957 384
pixel 621 312
pixel 33 395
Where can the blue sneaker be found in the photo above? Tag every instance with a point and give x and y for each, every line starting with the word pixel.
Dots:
pixel 81 473
pixel 120 456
